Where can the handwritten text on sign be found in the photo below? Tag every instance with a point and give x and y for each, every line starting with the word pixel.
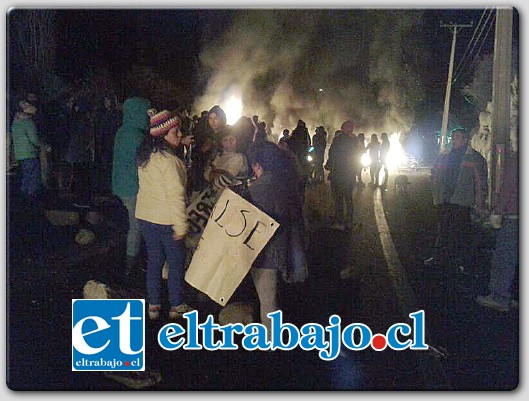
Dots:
pixel 236 233
pixel 199 211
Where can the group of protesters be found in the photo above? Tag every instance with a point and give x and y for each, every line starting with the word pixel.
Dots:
pixel 161 159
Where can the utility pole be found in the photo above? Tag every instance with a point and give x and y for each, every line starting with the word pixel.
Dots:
pixel 501 98
pixel 454 28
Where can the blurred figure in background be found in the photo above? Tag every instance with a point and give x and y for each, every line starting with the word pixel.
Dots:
pixel 107 122
pixel 505 260
pixel 128 139
pixel 26 146
pixel 319 141
pixel 361 151
pixel 384 151
pixel 373 150
pixel 459 186
pixel 341 164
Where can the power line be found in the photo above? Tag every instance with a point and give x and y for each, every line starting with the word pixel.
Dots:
pixel 489 21
pixel 482 43
pixel 469 43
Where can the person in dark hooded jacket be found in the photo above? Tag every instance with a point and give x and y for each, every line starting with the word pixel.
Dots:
pixel 128 139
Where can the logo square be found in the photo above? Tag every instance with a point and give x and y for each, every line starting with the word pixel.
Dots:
pixel 108 335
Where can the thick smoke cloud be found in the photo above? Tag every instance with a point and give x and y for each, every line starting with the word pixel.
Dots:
pixel 365 61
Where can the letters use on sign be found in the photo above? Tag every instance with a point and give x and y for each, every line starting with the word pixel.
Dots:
pixel 235 234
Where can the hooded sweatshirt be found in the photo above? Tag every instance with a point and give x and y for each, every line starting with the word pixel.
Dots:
pixel 128 139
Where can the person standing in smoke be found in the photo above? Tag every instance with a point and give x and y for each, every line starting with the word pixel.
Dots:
pixel 361 151
pixel 384 151
pixel 284 136
pixel 320 143
pixel 299 143
pixel 373 149
pixel 341 164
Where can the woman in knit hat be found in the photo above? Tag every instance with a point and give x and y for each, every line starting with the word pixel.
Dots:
pixel 161 211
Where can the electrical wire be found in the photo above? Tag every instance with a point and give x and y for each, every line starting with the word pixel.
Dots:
pixel 469 43
pixel 481 37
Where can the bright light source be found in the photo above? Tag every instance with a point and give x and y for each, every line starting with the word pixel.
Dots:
pixel 233 109
pixel 309 158
pixel 381 175
pixel 396 156
pixel 321 89
pixel 365 160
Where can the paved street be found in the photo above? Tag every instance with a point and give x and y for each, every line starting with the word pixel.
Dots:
pixel 372 275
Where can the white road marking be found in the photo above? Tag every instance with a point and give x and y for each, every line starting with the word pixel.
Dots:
pixel 405 295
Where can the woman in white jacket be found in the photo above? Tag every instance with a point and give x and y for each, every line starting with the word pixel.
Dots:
pixel 161 210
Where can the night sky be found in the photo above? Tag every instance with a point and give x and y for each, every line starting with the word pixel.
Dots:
pixel 376 65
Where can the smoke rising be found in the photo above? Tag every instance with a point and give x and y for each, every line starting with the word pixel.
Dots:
pixel 321 66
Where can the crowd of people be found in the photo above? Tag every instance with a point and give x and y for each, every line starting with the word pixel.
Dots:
pixel 156 161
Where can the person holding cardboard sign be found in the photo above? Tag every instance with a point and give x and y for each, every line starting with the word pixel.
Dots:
pixel 273 192
pixel 229 167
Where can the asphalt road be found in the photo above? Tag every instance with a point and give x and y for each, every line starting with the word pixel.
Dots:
pixel 372 275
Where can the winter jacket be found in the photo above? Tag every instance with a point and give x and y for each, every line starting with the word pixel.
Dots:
pixel 107 124
pixel 471 188
pixel 319 142
pixel 266 194
pixel 128 139
pixel 341 161
pixel 162 192
pixel 233 163
pixel 26 142
pixel 299 143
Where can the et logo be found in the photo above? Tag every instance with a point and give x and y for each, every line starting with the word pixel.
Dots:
pixel 108 335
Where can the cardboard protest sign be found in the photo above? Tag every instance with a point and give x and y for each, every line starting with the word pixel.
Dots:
pixel 199 210
pixel 236 233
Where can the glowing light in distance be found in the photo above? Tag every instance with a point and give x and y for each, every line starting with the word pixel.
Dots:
pixel 233 109
pixel 396 156
pixel 365 160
